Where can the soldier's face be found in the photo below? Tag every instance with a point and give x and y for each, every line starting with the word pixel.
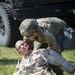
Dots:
pixel 32 36
pixel 22 48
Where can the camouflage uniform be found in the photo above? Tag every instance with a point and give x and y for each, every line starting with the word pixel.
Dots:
pixel 47 29
pixel 33 64
pixel 36 63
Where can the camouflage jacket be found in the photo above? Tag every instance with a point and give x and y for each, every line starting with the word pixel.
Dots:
pixel 48 30
pixel 36 63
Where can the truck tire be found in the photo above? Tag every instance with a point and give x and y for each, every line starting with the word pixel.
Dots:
pixel 5 30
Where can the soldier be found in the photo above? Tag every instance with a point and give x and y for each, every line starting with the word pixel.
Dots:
pixel 32 62
pixel 44 30
pixel 36 62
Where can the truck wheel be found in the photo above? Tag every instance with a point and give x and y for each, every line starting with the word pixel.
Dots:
pixel 5 30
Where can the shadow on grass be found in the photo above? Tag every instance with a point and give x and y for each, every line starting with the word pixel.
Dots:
pixel 14 61
pixel 72 62
pixel 8 61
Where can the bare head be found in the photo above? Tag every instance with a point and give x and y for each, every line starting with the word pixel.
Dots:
pixel 22 47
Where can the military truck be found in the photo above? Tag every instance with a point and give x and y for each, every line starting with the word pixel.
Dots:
pixel 12 12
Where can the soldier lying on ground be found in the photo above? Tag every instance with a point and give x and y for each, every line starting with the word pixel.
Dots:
pixel 36 62
pixel 44 30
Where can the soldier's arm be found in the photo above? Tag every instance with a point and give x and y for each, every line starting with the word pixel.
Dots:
pixel 33 45
pixel 19 68
pixel 51 41
pixel 36 45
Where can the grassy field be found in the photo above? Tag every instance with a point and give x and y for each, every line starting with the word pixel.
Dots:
pixel 9 57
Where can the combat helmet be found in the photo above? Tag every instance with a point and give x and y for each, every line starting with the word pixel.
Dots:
pixel 28 26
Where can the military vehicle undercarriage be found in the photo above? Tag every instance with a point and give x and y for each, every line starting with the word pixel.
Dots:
pixel 12 12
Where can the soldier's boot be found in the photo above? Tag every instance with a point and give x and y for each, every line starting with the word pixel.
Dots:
pixel 57 70
pixel 59 74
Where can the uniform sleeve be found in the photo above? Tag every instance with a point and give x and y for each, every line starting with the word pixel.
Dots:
pixel 51 41
pixel 20 68
pixel 36 45
pixel 54 58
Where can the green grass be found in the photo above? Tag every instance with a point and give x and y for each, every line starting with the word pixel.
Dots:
pixel 8 60
pixel 9 57
pixel 69 55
